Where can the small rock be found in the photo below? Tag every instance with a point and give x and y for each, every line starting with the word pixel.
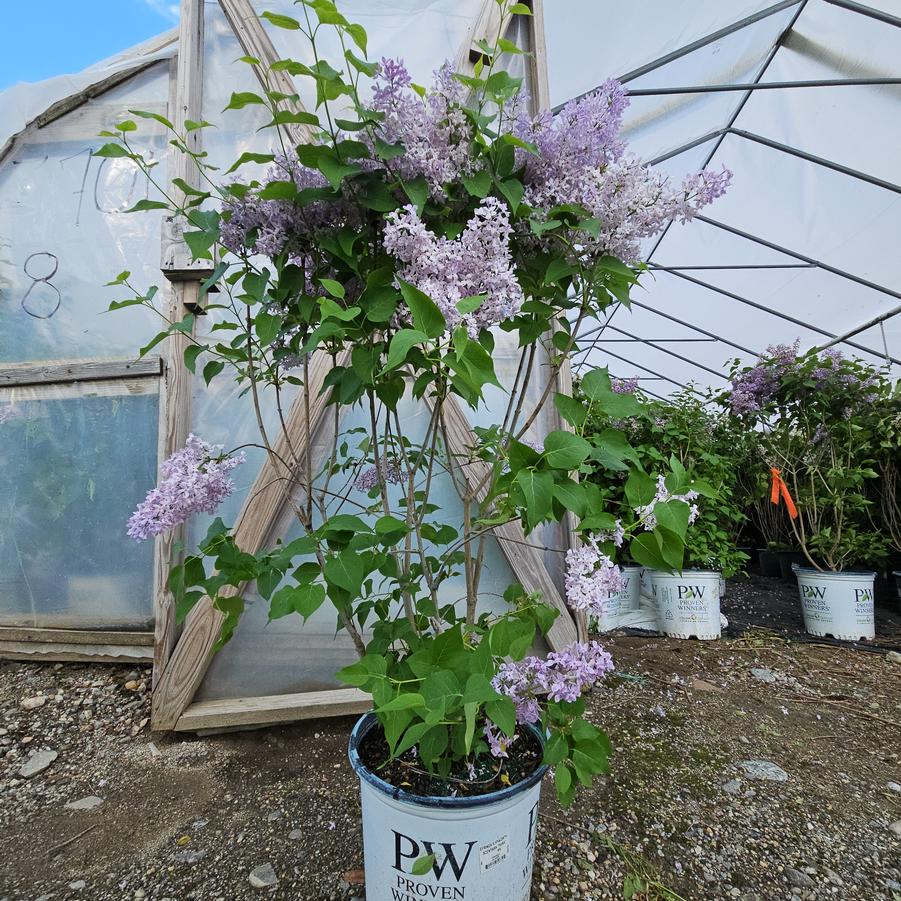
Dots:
pixel 263 876
pixel 763 769
pixel 33 703
pixel 894 787
pixel 37 762
pixel 704 685
pixel 732 787
pixel 188 857
pixel 88 803
pixel 797 878
pixel 893 656
pixel 295 835
pixel 140 893
pixel 896 828
pixel 274 816
pixel 763 674
pixel 132 685
pixel 154 750
pixel 77 885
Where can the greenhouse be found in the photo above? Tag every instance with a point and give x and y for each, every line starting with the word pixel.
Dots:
pixel 468 382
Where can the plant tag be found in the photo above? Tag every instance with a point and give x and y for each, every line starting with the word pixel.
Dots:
pixel 493 853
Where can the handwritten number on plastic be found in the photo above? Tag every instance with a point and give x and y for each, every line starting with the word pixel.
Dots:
pixel 42 299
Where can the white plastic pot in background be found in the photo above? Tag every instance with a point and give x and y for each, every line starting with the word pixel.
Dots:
pixel 837 604
pixel 623 602
pixel 688 603
pixel 722 587
pixel 483 846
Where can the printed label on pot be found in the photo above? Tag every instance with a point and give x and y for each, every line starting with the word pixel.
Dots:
pixel 493 853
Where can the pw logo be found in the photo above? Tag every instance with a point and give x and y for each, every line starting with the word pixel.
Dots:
pixel 813 591
pixel 863 595
pixel 691 592
pixel 408 849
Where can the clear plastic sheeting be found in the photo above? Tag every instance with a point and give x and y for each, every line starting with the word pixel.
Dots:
pixel 65 232
pixel 74 460
pixel 811 243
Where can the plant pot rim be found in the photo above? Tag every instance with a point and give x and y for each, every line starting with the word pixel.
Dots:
pixel 368 721
pixel 688 569
pixel 836 574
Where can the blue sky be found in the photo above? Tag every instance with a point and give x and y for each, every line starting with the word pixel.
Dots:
pixel 42 38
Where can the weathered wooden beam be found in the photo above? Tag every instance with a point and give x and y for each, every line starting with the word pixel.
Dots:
pixel 485 27
pixel 76 636
pixel 186 103
pixel 73 652
pixel 56 371
pixel 267 497
pixel 268 710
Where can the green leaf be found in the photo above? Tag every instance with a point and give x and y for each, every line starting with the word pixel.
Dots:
pixel 519 9
pixel 426 315
pixel 418 192
pixel 404 701
pixel 502 713
pixel 572 410
pixel 280 21
pixel 556 749
pixel 336 289
pixel 345 571
pixel 479 184
pixel 192 352
pixel 240 99
pixel 538 490
pixel 112 151
pixel 212 369
pixel 422 865
pixel 571 496
pixel 267 326
pixel 470 304
pixel 470 709
pixel 401 344
pixel 513 190
pixel 143 206
pixel 564 450
pixel 250 158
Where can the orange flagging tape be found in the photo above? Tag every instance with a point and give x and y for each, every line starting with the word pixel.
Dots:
pixel 780 490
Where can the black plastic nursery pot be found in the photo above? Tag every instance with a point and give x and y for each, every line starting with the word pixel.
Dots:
pixel 769 562
pixel 482 846
pixel 787 561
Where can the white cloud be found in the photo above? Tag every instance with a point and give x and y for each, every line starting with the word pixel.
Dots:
pixel 165 8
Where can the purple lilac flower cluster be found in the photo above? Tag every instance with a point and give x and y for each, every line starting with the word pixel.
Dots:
pixel 251 225
pixel 582 160
pixel 477 262
pixel 624 386
pixel 591 578
pixel 497 741
pixel 562 677
pixel 194 479
pixel 387 473
pixel 434 130
pixel 646 513
pixel 756 387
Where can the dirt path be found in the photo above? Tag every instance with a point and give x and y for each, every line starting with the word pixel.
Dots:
pixel 678 816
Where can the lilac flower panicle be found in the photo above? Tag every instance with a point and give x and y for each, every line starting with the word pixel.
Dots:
pixel 592 578
pixel 477 262
pixel 564 676
pixel 624 386
pixel 581 159
pixel 434 130
pixel 194 479
pixel 388 473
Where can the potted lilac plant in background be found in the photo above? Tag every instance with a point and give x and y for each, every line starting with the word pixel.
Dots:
pixel 421 227
pixel 813 413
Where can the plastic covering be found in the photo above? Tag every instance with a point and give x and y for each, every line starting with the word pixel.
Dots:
pixel 64 231
pixel 73 463
pixel 808 209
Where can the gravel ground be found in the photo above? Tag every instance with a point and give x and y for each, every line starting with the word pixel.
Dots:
pixel 754 767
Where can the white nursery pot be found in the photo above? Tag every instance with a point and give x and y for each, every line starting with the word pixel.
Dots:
pixel 484 846
pixel 837 604
pixel 625 601
pixel 688 603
